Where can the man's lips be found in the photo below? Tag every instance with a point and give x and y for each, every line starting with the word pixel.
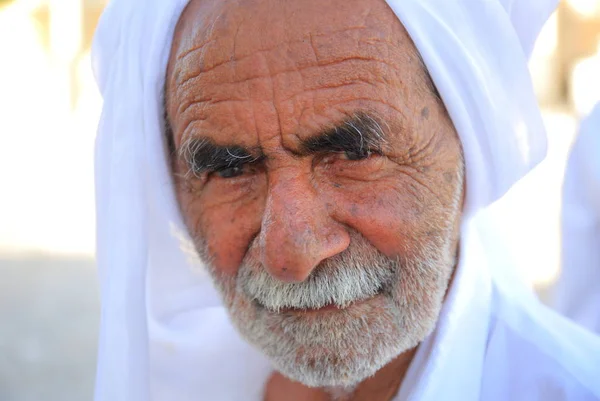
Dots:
pixel 327 308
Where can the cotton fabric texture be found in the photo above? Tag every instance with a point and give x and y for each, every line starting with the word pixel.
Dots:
pixel 164 333
pixel 577 292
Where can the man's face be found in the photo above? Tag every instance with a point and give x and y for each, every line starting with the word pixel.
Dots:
pixel 319 176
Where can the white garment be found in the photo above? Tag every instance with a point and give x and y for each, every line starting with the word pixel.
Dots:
pixel 577 292
pixel 491 345
pixel 164 333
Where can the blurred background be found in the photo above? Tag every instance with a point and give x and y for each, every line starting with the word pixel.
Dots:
pixel 49 107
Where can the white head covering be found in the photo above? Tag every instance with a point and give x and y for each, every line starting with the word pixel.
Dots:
pixel 164 335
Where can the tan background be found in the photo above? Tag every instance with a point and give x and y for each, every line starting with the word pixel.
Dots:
pixel 49 107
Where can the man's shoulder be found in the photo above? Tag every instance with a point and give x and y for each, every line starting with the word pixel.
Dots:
pixel 538 353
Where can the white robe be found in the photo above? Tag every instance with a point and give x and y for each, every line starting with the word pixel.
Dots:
pixel 164 334
pixel 577 292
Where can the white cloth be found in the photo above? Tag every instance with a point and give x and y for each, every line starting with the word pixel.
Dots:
pixel 164 334
pixel 490 345
pixel 577 292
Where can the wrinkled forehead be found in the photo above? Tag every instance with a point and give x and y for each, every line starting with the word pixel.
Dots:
pixel 223 43
pixel 244 27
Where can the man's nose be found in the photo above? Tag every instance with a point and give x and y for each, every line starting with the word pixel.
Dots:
pixel 297 230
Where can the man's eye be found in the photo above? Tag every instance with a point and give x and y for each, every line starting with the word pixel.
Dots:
pixel 230 172
pixel 353 155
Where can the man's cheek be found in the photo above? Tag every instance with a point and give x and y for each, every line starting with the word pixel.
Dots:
pixel 228 232
pixel 387 216
pixel 221 231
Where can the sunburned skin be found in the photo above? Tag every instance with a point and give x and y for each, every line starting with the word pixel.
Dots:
pixel 321 179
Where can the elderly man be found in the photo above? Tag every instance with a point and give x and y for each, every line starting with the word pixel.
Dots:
pixel 287 198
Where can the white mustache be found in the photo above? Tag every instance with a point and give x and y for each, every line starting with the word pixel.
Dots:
pixel 358 273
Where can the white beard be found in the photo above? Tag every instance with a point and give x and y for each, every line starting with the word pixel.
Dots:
pixel 340 347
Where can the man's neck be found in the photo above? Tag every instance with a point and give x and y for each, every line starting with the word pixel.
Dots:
pixel 382 386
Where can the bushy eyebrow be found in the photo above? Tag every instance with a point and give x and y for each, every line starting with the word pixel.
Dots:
pixel 359 133
pixel 201 155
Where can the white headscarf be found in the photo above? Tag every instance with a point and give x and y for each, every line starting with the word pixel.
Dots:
pixel 164 335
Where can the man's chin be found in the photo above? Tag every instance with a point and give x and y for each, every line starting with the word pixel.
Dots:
pixel 320 367
pixel 331 346
pixel 319 370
